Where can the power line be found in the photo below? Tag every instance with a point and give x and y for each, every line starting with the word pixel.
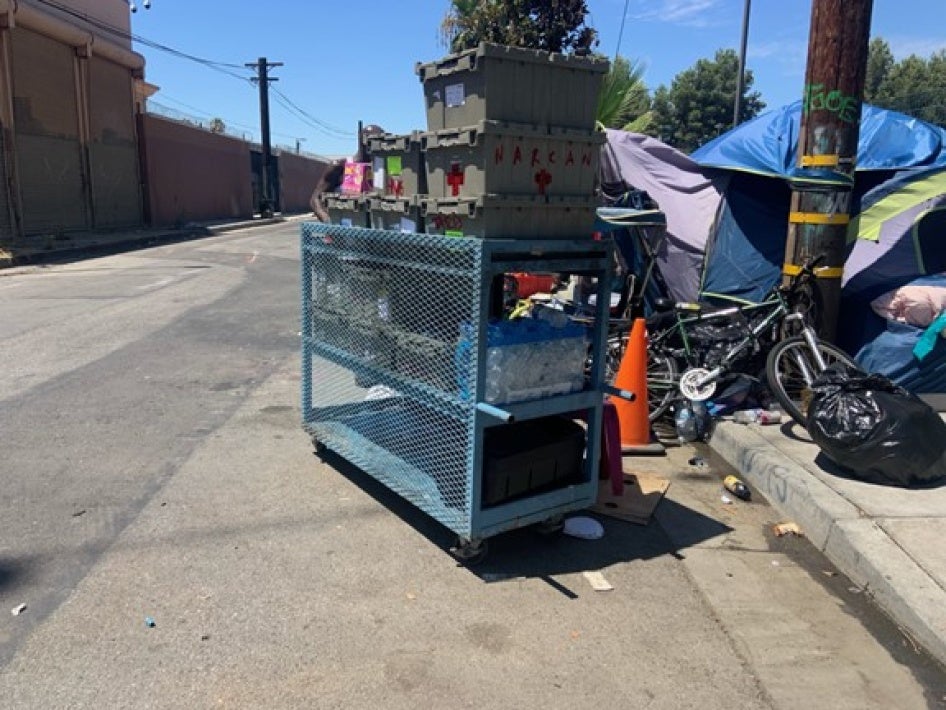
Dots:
pixel 222 67
pixel 319 123
pixel 122 34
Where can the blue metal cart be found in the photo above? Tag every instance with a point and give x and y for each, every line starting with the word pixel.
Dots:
pixel 394 367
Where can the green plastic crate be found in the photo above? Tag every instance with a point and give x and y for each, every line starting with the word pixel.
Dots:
pixel 510 217
pixel 347 210
pixel 400 160
pixel 396 214
pixel 502 83
pixel 496 157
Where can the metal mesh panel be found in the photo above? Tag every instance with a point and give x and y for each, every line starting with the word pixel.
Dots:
pixel 49 155
pixel 397 356
pixel 113 151
pixel 384 385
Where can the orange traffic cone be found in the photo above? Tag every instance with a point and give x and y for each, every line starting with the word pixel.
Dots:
pixel 633 417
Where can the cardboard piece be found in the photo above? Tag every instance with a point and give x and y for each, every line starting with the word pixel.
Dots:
pixel 642 493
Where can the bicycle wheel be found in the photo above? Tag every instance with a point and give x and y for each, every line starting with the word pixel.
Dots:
pixel 662 383
pixel 662 375
pixel 791 368
pixel 613 353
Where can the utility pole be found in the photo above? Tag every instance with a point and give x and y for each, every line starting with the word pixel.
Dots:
pixel 827 146
pixel 741 78
pixel 262 78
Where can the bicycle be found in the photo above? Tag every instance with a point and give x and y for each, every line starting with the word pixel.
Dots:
pixel 706 345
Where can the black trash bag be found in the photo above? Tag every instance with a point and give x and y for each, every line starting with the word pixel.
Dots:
pixel 878 431
pixel 739 391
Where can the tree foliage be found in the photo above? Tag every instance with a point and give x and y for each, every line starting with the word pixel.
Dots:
pixel 914 86
pixel 552 25
pixel 624 101
pixel 698 106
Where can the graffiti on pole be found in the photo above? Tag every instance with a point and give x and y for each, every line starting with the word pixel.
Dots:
pixel 834 101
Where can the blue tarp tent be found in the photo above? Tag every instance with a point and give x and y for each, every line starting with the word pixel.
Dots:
pixel 746 249
pixel 899 199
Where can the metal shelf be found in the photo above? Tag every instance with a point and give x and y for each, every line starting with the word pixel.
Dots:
pixel 381 373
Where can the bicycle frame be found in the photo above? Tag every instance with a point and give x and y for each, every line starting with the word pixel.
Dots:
pixel 776 302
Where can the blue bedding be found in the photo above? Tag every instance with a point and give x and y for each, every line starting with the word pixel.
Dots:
pixel 886 347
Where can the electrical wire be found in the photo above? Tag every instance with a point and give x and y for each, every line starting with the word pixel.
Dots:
pixel 222 67
pixel 130 36
pixel 301 113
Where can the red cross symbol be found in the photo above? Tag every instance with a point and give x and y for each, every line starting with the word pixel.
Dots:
pixel 455 178
pixel 543 179
pixel 396 186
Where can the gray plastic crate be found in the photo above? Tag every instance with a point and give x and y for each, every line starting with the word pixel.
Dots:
pixel 511 84
pixel 396 214
pixel 496 157
pixel 402 161
pixel 347 210
pixel 510 217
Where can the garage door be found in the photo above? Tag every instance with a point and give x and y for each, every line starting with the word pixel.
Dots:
pixel 116 194
pixel 49 157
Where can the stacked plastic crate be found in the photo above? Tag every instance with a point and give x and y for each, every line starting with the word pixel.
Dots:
pixel 399 181
pixel 511 149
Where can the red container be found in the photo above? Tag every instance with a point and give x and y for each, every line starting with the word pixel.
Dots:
pixel 528 284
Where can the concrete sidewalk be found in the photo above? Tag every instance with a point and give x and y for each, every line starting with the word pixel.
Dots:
pixel 888 540
pixel 83 244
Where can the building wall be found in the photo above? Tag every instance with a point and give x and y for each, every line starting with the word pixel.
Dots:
pixel 50 160
pixel 109 12
pixel 193 175
pixel 298 176
pixel 68 144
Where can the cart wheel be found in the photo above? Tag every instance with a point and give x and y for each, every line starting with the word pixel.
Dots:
pixel 551 526
pixel 320 448
pixel 470 552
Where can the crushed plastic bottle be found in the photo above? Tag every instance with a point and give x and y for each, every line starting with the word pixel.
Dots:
pixel 757 416
pixel 686 423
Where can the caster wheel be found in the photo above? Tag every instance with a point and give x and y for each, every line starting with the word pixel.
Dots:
pixel 551 526
pixel 320 448
pixel 470 552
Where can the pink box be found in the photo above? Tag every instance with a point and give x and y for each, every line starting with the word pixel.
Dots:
pixel 357 178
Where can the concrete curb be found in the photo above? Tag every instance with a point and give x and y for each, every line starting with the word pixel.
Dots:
pixel 856 544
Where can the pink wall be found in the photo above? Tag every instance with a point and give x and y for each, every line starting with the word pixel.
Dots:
pixel 193 175
pixel 298 177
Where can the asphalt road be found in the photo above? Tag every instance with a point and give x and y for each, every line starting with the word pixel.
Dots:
pixel 154 466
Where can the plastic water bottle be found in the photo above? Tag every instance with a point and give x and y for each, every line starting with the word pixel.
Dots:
pixel 463 359
pixel 686 423
pixel 701 417
pixel 757 416
pixel 746 416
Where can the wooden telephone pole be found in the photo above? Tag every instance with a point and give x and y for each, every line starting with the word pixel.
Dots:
pixel 263 78
pixel 827 145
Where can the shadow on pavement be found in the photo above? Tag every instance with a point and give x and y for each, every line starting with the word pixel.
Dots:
pixel 526 552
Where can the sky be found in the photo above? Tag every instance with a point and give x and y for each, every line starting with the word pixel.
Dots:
pixel 350 61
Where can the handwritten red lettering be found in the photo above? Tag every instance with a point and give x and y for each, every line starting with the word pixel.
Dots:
pixel 517 156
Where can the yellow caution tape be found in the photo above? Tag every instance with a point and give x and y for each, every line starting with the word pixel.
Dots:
pixel 822 272
pixel 818 218
pixel 820 161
